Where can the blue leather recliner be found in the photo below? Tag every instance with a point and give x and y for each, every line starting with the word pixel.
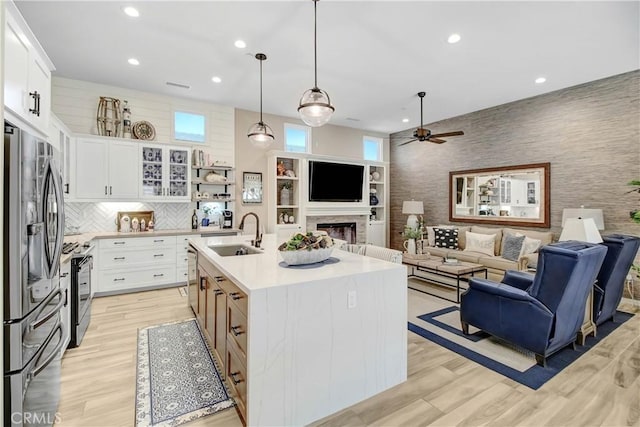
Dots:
pixel 542 316
pixel 622 249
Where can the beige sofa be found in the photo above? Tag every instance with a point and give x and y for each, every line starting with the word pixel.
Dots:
pixel 496 264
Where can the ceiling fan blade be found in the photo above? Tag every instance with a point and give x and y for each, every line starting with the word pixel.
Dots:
pixel 456 133
pixel 436 140
pixel 405 143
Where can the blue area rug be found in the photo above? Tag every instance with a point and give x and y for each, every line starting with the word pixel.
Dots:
pixel 445 331
pixel 177 378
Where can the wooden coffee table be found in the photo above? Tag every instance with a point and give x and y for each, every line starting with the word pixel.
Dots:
pixel 440 271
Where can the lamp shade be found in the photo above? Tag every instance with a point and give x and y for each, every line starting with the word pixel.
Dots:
pixel 581 229
pixel 596 214
pixel 315 107
pixel 412 207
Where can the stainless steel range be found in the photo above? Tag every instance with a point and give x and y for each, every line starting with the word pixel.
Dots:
pixel 81 265
pixel 33 234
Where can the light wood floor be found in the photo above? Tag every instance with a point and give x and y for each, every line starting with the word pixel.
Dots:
pixel 443 388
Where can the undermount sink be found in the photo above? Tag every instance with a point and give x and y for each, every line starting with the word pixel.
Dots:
pixel 234 250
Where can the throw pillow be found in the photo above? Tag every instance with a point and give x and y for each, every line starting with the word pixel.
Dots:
pixel 446 238
pixel 495 231
pixel 530 246
pixel 511 247
pixel 483 243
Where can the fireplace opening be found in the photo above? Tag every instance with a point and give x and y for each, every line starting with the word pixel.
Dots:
pixel 340 230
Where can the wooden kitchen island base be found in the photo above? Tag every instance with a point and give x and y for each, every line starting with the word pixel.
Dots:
pixel 312 340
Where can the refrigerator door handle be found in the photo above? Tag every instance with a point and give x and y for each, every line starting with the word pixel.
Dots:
pixel 52 178
pixel 42 320
pixel 51 356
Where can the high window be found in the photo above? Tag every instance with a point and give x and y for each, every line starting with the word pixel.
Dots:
pixel 372 148
pixel 297 138
pixel 189 126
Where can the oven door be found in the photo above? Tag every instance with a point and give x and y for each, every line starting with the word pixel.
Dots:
pixel 83 280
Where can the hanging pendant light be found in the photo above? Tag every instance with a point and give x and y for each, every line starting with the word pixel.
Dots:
pixel 260 134
pixel 315 105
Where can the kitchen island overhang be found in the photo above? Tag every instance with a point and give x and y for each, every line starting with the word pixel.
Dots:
pixel 320 338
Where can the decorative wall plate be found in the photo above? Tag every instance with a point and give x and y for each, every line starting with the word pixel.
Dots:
pixel 144 130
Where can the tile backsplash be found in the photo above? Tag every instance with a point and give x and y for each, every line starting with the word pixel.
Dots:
pixel 93 217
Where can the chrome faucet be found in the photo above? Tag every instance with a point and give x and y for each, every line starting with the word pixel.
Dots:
pixel 258 240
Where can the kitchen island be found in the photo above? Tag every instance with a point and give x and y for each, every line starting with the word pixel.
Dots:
pixel 312 339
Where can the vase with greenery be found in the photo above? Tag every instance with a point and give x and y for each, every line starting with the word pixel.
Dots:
pixel 410 235
pixel 285 193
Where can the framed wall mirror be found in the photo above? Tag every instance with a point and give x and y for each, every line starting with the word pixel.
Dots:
pixel 507 195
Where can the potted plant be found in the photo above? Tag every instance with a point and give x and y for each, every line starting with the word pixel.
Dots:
pixel 285 193
pixel 635 215
pixel 207 210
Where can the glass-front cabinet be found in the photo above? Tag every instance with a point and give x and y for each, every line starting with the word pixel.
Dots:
pixel 165 172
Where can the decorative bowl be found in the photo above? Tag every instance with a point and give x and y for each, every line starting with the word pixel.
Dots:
pixel 305 256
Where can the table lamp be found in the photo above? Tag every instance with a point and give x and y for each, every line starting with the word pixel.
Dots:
pixel 412 208
pixel 581 229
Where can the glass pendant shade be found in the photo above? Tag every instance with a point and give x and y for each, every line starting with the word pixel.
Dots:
pixel 315 107
pixel 260 135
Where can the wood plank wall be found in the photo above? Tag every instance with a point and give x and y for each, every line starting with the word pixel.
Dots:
pixel 75 102
pixel 590 133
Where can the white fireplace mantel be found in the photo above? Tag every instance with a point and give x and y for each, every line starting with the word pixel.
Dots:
pixel 334 210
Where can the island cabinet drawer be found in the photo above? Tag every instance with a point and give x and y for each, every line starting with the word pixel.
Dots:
pixel 234 293
pixel 111 258
pixel 123 279
pixel 236 374
pixel 237 328
pixel 138 242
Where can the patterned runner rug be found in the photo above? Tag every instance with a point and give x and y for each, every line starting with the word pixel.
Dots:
pixel 439 321
pixel 177 379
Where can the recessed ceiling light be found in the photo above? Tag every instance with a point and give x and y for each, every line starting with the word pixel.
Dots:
pixel 131 11
pixel 133 61
pixel 240 44
pixel 540 80
pixel 216 79
pixel 405 120
pixel 454 38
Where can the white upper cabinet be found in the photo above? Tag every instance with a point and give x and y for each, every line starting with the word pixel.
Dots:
pixel 27 71
pixel 106 169
pixel 165 173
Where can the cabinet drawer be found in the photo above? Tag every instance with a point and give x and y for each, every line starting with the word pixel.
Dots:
pixel 236 374
pixel 114 280
pixel 181 260
pixel 237 328
pixel 238 297
pixel 131 258
pixel 181 274
pixel 137 242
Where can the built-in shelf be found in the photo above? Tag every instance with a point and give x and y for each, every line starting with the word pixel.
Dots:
pixel 213 168
pixel 376 182
pixel 288 178
pixel 201 182
pixel 213 200
pixel 287 206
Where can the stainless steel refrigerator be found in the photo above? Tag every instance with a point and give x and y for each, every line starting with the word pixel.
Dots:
pixel 33 235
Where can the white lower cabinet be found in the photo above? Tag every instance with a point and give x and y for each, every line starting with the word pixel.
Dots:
pixel 131 264
pixel 376 233
pixel 182 244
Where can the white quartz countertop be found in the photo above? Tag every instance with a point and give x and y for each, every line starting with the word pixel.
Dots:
pixel 255 272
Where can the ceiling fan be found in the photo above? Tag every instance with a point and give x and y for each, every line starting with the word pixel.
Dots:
pixel 423 134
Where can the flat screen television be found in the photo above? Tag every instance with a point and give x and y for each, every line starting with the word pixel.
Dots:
pixel 335 182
